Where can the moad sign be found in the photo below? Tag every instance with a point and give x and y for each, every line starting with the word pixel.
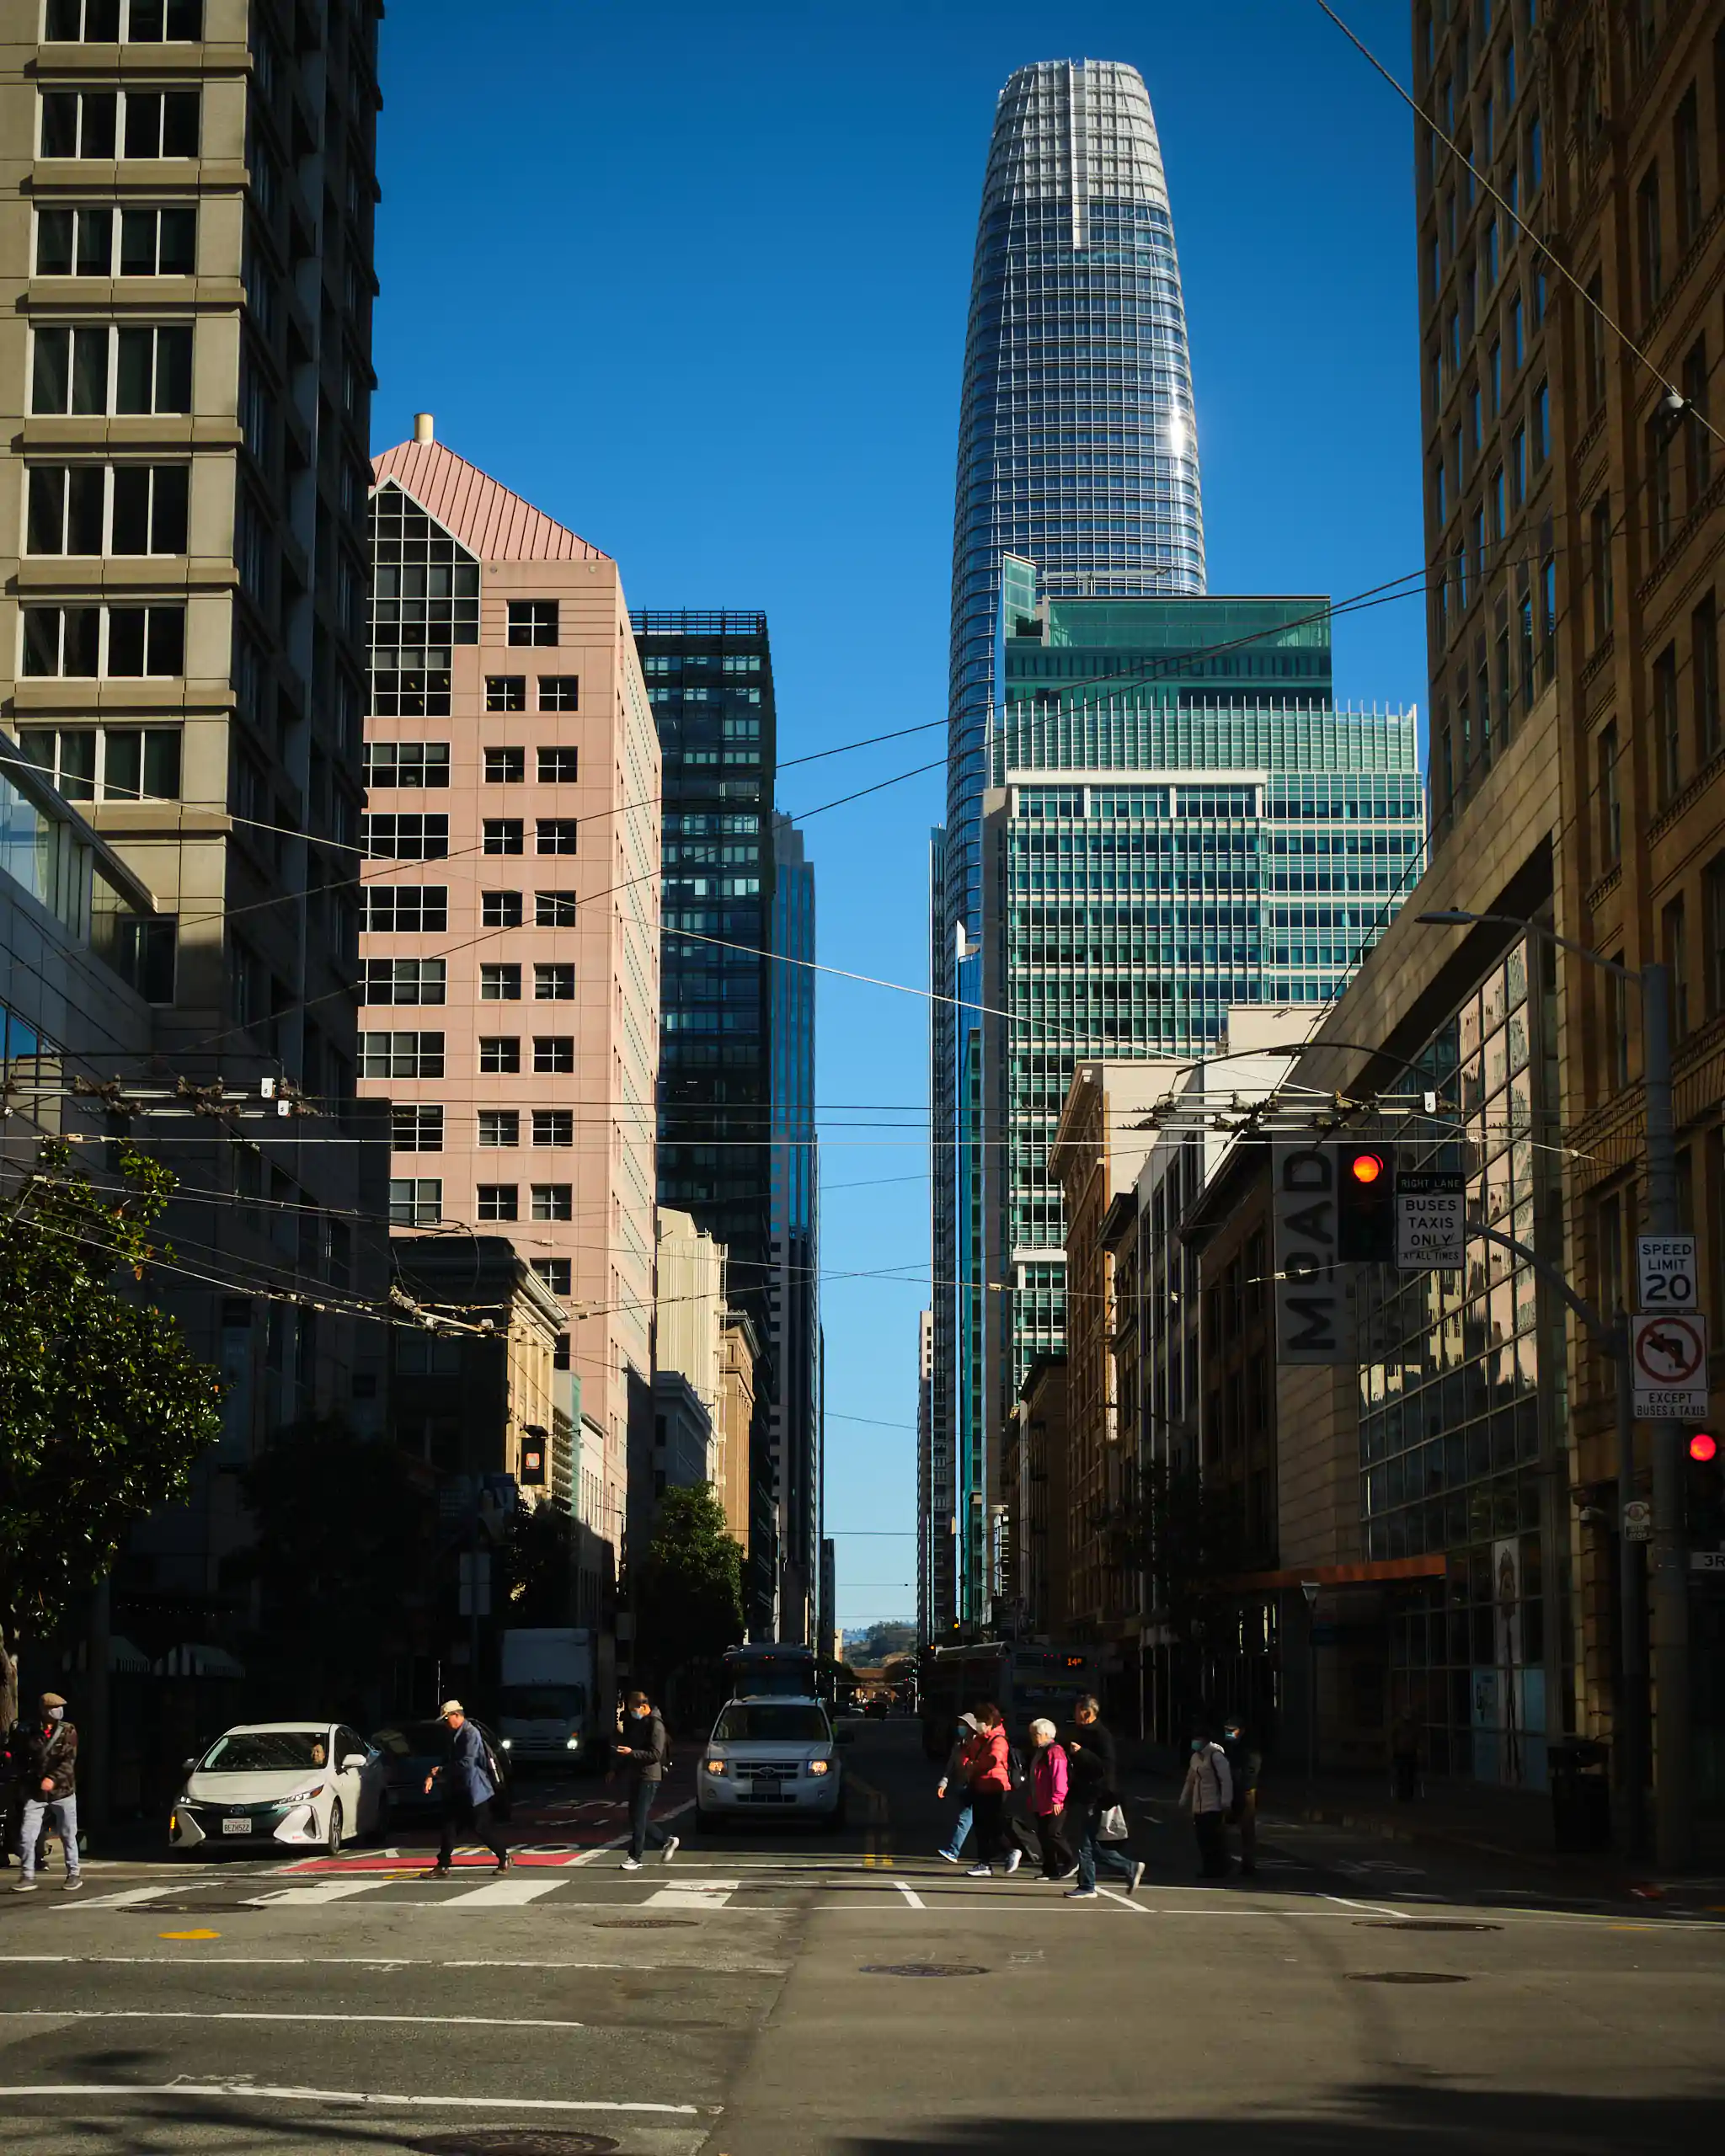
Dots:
pixel 1314 1292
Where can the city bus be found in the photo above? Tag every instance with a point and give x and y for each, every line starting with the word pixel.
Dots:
pixel 772 1670
pixel 1023 1682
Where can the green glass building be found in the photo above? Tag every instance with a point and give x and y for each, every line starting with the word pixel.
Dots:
pixel 1178 819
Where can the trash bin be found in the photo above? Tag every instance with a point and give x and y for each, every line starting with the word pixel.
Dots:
pixel 1581 1796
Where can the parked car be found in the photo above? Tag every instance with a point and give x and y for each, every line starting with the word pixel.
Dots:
pixel 282 1785
pixel 770 1758
pixel 411 1749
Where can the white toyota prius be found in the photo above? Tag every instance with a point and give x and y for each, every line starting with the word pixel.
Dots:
pixel 282 1785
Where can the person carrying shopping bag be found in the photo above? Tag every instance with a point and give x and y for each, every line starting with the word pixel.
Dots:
pixel 1092 1792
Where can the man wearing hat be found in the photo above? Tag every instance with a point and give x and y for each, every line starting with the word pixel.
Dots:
pixel 467 1790
pixel 48 1772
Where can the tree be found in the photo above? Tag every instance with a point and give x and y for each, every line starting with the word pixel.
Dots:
pixel 1189 1535
pixel 686 1592
pixel 536 1566
pixel 342 1550
pixel 103 1407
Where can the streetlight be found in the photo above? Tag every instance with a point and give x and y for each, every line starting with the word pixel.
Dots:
pixel 1672 1791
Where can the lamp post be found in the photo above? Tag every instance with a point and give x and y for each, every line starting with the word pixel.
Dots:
pixel 1672 1808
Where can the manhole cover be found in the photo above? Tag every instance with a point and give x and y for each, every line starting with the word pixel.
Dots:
pixel 644 1924
pixel 923 1969
pixel 515 2140
pixel 1423 1923
pixel 1405 1977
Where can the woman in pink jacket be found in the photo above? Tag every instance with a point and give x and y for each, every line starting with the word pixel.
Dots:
pixel 988 1770
pixel 1049 1780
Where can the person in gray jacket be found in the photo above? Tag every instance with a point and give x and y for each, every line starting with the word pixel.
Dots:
pixel 646 1753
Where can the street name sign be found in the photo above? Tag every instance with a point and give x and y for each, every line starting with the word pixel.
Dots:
pixel 1314 1290
pixel 1431 1219
pixel 1666 1273
pixel 1669 1362
pixel 1707 1560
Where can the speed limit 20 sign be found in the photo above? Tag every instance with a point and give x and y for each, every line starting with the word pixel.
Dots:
pixel 1666 1273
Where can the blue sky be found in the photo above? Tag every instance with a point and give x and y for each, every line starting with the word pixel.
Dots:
pixel 694 280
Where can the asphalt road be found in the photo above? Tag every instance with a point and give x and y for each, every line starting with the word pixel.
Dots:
pixel 772 1994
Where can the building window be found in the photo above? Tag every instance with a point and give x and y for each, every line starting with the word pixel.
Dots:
pixel 96 509
pixel 500 1128
pixel 506 767
pixel 532 620
pixel 502 835
pixel 1647 218
pixel 554 1127
pixel 499 1054
pixel 1518 465
pixel 147 22
pixel 404 980
pixel 415 1201
pixel 506 692
pixel 498 1201
pixel 424 599
pixel 553 983
pixel 1610 797
pixel 501 909
pixel 1609 1231
pixel 1517 339
pixel 78 123
pixel 1686 135
pixel 162 122
pixel 1657 438
pixel 1494 375
pixel 407 763
pixel 1713 935
pixel 1592 342
pixel 416 1129
pixel 559 693
pixel 414 837
pixel 1697 440
pixel 405 909
pixel 499 983
pixel 1704 668
pixel 1619 1042
pixel 401 1055
pixel 1667 731
pixel 1673 939
pixel 558 767
pixel 1542 423
pixel 106 763
pixel 557 1273
pixel 119 642
pixel 558 834
pixel 554 1052
pixel 553 1201
pixel 554 910
pixel 1599 527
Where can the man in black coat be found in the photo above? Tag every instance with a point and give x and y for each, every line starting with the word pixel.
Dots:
pixel 1093 1787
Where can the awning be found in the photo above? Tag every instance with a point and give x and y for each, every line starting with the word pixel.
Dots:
pixel 1434 1568
pixel 192 1660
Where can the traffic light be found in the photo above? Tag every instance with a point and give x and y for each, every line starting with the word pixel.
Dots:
pixel 1365 1206
pixel 1704 1492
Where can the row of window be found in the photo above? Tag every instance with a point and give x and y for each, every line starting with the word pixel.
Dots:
pixel 421 837
pixel 508 691
pixel 91 642
pixel 423 909
pixel 107 509
pixel 106 763
pixel 417 1202
pixel 424 981
pixel 123 22
pixel 421 1055
pixel 99 369
pixel 1689 726
pixel 100 239
pixel 124 123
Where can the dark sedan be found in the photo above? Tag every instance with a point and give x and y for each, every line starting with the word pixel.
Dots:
pixel 411 1749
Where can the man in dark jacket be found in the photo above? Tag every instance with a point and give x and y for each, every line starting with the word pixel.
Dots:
pixel 47 1760
pixel 646 1751
pixel 467 1790
pixel 1093 1787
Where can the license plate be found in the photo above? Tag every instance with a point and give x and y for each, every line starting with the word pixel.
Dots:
pixel 236 1826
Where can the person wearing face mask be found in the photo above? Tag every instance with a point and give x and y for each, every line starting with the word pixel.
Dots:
pixel 645 1752
pixel 49 1775
pixel 1209 1796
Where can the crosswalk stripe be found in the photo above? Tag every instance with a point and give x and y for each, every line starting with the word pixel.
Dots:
pixel 504 1894
pixel 130 1899
pixel 697 1894
pixel 326 1890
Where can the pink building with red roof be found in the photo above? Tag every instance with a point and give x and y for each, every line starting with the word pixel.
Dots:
pixel 510 927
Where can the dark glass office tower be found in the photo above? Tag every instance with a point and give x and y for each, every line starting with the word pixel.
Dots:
pixel 1077 450
pixel 710 674
pixel 793 1286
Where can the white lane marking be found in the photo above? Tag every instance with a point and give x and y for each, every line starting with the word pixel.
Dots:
pixel 1371 1908
pixel 916 1900
pixel 128 1899
pixel 503 1893
pixel 326 1890
pixel 356 2099
pixel 169 2014
pixel 694 1894
pixel 381 1961
pixel 1125 1900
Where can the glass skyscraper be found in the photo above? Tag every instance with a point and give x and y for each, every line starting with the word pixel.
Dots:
pixel 1078 450
pixel 793 1285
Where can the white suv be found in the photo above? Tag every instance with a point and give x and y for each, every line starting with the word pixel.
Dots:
pixel 771 1758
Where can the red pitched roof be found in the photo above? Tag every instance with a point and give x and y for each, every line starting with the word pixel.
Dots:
pixel 487 518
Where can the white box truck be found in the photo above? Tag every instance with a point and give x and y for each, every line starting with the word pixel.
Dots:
pixel 549 1698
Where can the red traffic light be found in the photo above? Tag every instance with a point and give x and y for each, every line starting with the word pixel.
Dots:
pixel 1365 1167
pixel 1703 1446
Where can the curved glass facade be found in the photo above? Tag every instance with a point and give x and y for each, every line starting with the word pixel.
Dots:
pixel 1077 450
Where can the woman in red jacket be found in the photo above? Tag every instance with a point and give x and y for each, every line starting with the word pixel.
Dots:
pixel 988 1771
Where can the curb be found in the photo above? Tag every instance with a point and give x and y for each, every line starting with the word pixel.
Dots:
pixel 1374 1823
